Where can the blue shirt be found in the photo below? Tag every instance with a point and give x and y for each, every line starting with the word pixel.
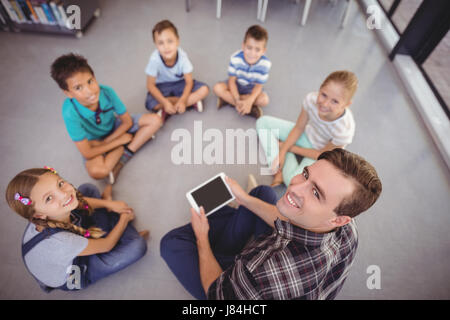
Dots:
pixel 80 120
pixel 248 74
pixel 158 69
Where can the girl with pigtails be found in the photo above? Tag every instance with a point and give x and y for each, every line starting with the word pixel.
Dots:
pixel 75 237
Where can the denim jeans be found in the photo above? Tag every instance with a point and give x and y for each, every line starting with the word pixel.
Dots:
pixel 229 231
pixel 130 247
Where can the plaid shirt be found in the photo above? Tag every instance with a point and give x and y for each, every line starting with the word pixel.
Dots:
pixel 291 263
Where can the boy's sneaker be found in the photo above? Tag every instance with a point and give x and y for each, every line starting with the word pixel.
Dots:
pixel 256 112
pixel 220 103
pixel 199 106
pixel 115 171
pixel 111 178
pixel 164 115
pixel 251 183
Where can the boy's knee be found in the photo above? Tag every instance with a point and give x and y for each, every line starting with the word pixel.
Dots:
pixel 97 172
pixel 262 100
pixel 152 120
pixel 203 91
pixel 218 88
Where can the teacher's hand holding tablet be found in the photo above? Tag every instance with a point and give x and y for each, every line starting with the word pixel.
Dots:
pixel 200 224
pixel 239 193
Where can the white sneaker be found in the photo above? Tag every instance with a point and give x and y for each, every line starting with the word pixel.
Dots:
pixel 111 178
pixel 199 106
pixel 251 183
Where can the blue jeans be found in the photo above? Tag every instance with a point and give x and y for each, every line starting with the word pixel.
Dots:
pixel 130 247
pixel 229 231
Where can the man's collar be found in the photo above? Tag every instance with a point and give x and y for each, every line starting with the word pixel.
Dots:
pixel 308 238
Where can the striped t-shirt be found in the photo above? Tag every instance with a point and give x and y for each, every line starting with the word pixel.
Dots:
pixel 248 74
pixel 339 132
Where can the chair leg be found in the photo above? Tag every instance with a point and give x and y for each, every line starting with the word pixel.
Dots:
pixel 346 14
pixel 188 5
pixel 258 15
pixel 219 9
pixel 264 10
pixel 305 11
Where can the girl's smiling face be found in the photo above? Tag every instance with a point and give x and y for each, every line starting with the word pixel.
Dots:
pixel 53 198
pixel 332 101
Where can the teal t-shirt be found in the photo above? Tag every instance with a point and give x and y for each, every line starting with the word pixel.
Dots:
pixel 80 121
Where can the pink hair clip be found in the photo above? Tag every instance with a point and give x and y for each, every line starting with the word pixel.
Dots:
pixel 25 201
pixel 51 169
pixel 87 234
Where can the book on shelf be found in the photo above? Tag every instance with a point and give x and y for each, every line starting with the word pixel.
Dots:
pixel 4 19
pixel 43 12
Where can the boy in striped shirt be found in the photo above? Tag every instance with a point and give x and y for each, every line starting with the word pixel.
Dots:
pixel 248 71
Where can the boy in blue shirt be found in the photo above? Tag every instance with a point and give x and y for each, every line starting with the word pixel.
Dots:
pixel 170 85
pixel 248 71
pixel 97 121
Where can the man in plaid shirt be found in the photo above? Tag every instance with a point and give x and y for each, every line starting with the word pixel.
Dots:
pixel 304 243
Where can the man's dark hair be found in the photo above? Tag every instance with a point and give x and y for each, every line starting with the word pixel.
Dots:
pixel 66 66
pixel 163 25
pixel 258 33
pixel 367 184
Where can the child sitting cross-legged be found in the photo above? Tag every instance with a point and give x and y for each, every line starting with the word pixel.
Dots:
pixel 248 71
pixel 325 123
pixel 170 84
pixel 75 237
pixel 97 121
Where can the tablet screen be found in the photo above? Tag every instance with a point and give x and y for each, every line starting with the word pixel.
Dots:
pixel 212 195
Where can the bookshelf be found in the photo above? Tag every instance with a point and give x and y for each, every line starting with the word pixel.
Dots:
pixel 61 17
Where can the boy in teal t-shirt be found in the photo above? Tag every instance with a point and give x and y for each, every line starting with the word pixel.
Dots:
pixel 97 121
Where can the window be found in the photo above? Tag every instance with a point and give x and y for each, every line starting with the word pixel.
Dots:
pixel 404 13
pixel 437 68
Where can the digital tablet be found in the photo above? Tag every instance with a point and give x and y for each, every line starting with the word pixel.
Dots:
pixel 211 195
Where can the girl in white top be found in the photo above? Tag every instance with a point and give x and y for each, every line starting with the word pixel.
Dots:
pixel 324 123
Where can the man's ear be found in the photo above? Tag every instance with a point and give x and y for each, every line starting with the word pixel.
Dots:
pixel 340 221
